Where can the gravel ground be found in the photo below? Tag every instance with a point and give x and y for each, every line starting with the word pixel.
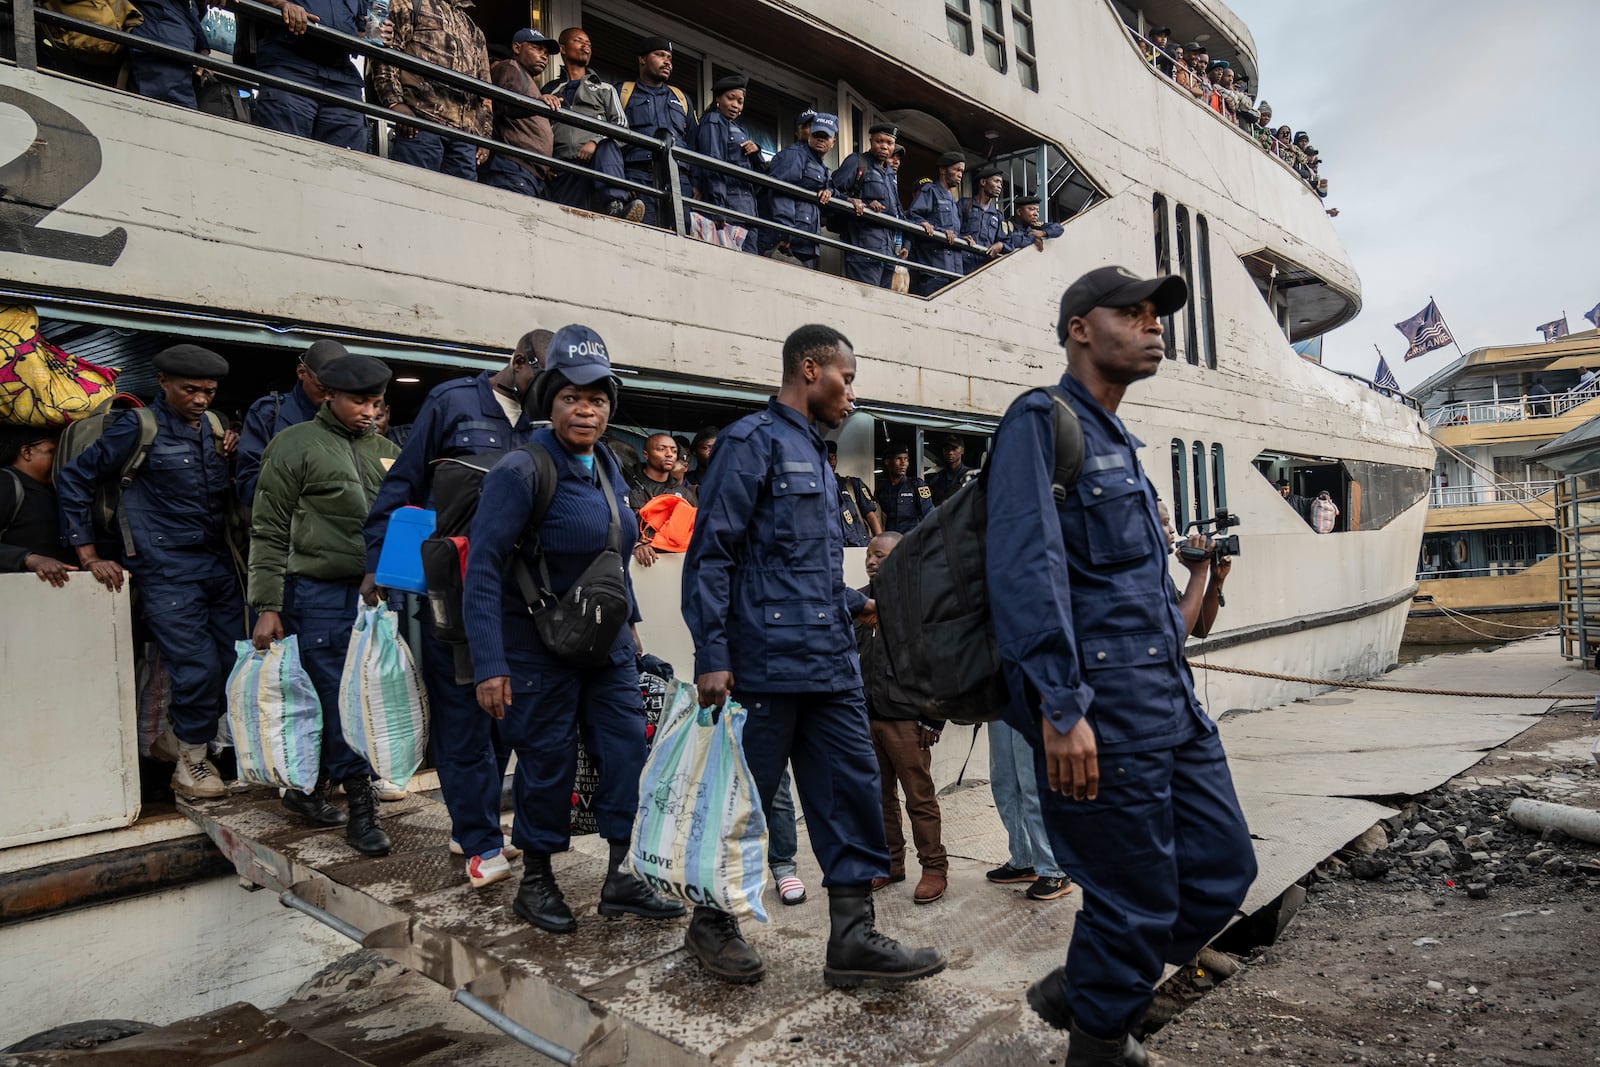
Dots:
pixel 1446 935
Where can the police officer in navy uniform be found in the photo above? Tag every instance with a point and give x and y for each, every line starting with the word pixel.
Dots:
pixel 904 498
pixel 858 512
pixel 172 520
pixel 1135 789
pixel 802 164
pixel 657 110
pixel 944 482
pixel 276 412
pixel 464 417
pixel 288 53
pixel 982 221
pixel 720 136
pixel 544 701
pixel 935 208
pixel 765 598
pixel 169 22
pixel 869 182
pixel 1026 229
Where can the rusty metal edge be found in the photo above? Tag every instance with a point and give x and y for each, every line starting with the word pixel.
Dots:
pixel 110 876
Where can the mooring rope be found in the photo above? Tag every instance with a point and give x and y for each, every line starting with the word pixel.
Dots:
pixel 1338 683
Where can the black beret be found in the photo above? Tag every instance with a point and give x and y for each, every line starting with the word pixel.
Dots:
pixel 897 450
pixel 950 159
pixel 357 375
pixel 1027 201
pixel 885 127
pixel 654 44
pixel 321 353
pixel 899 152
pixel 728 83
pixel 989 170
pixel 191 361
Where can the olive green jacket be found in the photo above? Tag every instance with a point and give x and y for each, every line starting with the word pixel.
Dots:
pixel 318 481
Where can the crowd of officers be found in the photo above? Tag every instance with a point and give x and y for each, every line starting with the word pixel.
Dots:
pixel 960 233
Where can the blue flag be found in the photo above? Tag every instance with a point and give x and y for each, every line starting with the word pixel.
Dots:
pixel 1425 331
pixel 1383 377
pixel 1593 315
pixel 1554 328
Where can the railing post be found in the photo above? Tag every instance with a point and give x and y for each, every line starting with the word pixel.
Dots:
pixel 24 36
pixel 668 174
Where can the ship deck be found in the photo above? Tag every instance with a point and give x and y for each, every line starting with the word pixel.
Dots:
pixel 624 990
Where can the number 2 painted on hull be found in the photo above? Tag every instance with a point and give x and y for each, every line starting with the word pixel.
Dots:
pixel 62 160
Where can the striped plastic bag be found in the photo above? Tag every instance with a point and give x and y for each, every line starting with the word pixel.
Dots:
pixel 700 834
pixel 382 706
pixel 274 716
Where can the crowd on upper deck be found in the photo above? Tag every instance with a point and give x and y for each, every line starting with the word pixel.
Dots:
pixel 960 233
pixel 1216 85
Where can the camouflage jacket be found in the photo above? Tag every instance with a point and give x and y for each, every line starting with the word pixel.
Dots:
pixel 439 31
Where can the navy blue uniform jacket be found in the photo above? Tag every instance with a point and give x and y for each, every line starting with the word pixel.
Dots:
pixel 267 418
pixel 934 205
pixel 573 533
pixel 763 583
pixel 459 418
pixel 1080 592
pixel 863 178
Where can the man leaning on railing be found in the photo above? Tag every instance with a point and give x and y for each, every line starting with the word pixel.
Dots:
pixel 289 53
pixel 440 32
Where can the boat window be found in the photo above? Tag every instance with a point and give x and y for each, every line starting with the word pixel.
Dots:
pixel 1200 293
pixel 1219 480
pixel 1369 495
pixel 1201 493
pixel 1180 485
pixel 958 24
pixel 1027 55
pixel 1191 341
pixel 994 34
pixel 1161 220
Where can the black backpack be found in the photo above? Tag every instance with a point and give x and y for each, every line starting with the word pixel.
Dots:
pixel 933 603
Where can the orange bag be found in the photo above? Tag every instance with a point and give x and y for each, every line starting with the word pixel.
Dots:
pixel 666 523
pixel 41 385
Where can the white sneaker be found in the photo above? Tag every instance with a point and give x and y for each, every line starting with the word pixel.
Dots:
pixel 487 870
pixel 387 790
pixel 194 776
pixel 510 851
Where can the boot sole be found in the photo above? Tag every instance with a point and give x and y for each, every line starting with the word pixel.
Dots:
pixel 836 979
pixel 312 821
pixel 731 977
pixel 191 794
pixel 1045 1010
pixel 565 928
pixel 928 900
pixel 616 911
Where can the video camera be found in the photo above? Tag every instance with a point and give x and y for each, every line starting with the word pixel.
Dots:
pixel 1221 544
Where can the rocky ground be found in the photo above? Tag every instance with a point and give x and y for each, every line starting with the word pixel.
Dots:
pixel 1446 935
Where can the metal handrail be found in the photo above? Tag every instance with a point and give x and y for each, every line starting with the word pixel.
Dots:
pixel 1454 496
pixel 1510 409
pixel 667 155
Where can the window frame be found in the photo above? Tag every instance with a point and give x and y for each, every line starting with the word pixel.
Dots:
pixel 1027 58
pixel 1179 506
pixel 1161 222
pixel 959 13
pixel 1184 231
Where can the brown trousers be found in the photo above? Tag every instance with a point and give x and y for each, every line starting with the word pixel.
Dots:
pixel 902 760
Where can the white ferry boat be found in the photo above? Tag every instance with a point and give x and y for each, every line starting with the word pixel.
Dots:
pixel 130 224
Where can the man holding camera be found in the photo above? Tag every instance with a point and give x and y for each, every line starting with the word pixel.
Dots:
pixel 1140 805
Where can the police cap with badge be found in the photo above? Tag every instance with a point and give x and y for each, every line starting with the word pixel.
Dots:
pixel 576 356
pixel 1119 287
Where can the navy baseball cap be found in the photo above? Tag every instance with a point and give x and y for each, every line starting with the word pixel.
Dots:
pixel 579 355
pixel 825 123
pixel 532 36
pixel 1119 287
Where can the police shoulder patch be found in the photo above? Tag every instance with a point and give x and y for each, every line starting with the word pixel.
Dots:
pixel 924 491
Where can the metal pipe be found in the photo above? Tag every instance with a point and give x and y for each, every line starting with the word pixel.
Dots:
pixel 290 899
pixel 512 1028
pixel 1543 815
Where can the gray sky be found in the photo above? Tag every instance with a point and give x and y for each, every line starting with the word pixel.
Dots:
pixel 1460 153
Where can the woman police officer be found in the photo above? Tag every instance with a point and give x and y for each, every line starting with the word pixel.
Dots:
pixel 542 698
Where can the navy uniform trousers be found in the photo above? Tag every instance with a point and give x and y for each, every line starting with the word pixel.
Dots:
pixel 321 613
pixel 470 750
pixel 828 740
pixel 1164 859
pixel 552 704
pixel 195 624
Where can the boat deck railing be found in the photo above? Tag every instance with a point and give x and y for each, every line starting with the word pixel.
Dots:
pixel 1512 409
pixel 1458 496
pixel 668 158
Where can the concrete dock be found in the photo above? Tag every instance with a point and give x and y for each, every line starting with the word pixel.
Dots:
pixel 624 991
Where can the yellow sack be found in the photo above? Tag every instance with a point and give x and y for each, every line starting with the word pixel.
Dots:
pixel 41 385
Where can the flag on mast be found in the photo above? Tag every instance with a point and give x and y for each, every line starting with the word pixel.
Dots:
pixel 1425 331
pixel 1593 315
pixel 1554 328
pixel 1383 377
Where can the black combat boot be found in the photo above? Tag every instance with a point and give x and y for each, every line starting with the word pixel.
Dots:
pixel 858 953
pixel 363 831
pixel 1048 999
pixel 625 893
pixel 1086 1050
pixel 715 941
pixel 313 807
pixel 539 899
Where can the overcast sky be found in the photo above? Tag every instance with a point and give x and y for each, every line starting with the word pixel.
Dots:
pixel 1460 146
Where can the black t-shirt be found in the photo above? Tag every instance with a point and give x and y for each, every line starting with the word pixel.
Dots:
pixel 642 489
pixel 36 528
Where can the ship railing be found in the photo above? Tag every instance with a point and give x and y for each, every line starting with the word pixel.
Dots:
pixel 1494 570
pixel 1392 394
pixel 1458 496
pixel 668 158
pixel 1509 409
pixel 1276 149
